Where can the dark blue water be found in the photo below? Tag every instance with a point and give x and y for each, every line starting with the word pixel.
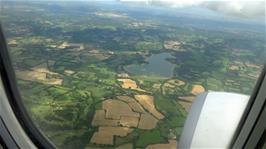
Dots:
pixel 157 66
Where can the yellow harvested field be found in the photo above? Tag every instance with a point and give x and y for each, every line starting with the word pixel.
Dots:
pixel 99 56
pixel 147 121
pixel 136 107
pixel 105 135
pixel 234 67
pixel 169 85
pixel 30 75
pixel 186 102
pixel 71 46
pixel 99 119
pixel 116 108
pixel 12 42
pixel 173 45
pixel 53 81
pixel 63 45
pixel 117 131
pixel 185 105
pixel 129 121
pixel 127 99
pixel 118 117
pixel 38 77
pixel 252 65
pixel 115 112
pixel 110 15
pixel 130 84
pixel 125 146
pixel 197 89
pixel 69 72
pixel 41 68
pixel 94 51
pixel 156 86
pixel 102 138
pixel 187 98
pixel 147 102
pixel 171 145
pixel 88 147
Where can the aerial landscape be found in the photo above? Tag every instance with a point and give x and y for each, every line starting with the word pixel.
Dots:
pixel 118 75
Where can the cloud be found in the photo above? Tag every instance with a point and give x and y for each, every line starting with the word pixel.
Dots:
pixel 169 3
pixel 238 8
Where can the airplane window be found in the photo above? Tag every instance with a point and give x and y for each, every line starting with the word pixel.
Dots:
pixel 124 73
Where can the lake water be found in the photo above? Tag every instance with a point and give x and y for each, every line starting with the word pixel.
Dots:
pixel 157 66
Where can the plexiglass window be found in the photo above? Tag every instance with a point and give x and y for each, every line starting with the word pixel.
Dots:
pixel 123 74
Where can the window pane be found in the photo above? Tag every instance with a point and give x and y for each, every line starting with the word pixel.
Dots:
pixel 98 74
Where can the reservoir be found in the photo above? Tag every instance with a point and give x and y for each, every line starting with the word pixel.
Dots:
pixel 156 65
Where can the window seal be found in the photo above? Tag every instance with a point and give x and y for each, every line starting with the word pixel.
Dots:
pixel 9 83
pixel 6 139
pixel 262 141
pixel 2 143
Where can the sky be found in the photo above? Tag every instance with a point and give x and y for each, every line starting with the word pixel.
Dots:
pixel 254 9
pixel 240 8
